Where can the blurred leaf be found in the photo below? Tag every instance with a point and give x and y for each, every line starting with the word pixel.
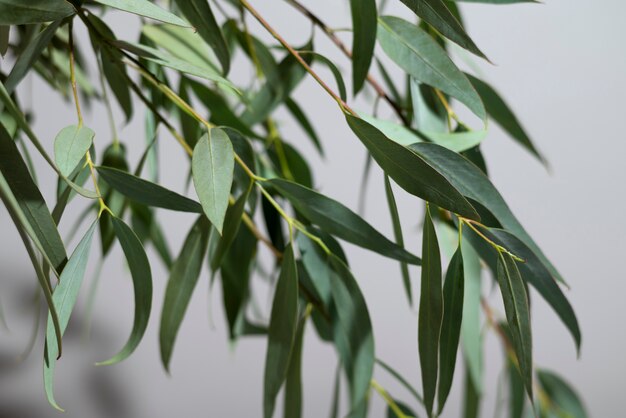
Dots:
pixel 409 170
pixel 293 384
pixel 364 17
pixel 212 167
pixel 419 55
pixel 145 8
pixel 200 15
pixel 64 297
pixel 282 331
pixel 180 285
pixel 5 31
pixel 146 192
pixel 471 337
pixel 518 315
pixel 19 12
pixel 232 221
pixel 406 410
pixel 70 146
pixel 183 43
pixel 517 396
pixel 336 219
pixel 297 112
pixel 563 399
pixel 401 380
pixel 471 401
pixel 430 312
pixel 451 325
pixel 142 283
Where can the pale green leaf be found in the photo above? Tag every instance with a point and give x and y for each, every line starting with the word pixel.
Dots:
pixel 21 12
pixel 70 146
pixel 145 8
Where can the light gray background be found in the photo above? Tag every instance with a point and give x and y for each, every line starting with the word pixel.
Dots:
pixel 560 65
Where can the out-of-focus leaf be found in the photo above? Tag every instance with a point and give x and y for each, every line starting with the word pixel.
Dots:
pixel 31 202
pixel 212 166
pixel 364 15
pixel 419 55
pixel 404 408
pixel 70 146
pixel 430 312
pixel 437 14
pixel 5 31
pixel 471 401
pixel 183 278
pixel 517 395
pixel 334 407
pixel 471 337
pixel 145 8
pixel 297 112
pixel 502 114
pixel 20 12
pixel 497 1
pixel 341 86
pixel 293 384
pixel 200 15
pixel 401 380
pixel 147 193
pixel 183 43
pixel 397 231
pixel 563 399
pixel 282 331
pixel 142 283
pixel 409 170
pixel 518 315
pixel 338 220
pixel 451 326
pixel 232 221
pixel 64 297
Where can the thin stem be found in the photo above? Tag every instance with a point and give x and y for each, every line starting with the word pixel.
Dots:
pixel 107 103
pixel 499 248
pixel 385 395
pixel 73 73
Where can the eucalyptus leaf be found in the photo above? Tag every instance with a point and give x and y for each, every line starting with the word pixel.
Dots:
pixel 70 146
pixel 364 17
pixel 397 231
pixel 145 8
pixel 19 12
pixel 563 398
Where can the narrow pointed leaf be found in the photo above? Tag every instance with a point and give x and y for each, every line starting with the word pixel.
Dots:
pixel 397 231
pixel 471 401
pixel 232 221
pixel 5 31
pixel 147 193
pixel 409 170
pixel 517 394
pixel 200 15
pixel 471 336
pixel 336 219
pixel 282 331
pixel 20 12
pixel 142 283
pixel 564 400
pixel 451 326
pixel 298 114
pixel 64 297
pixel 437 15
pixel 430 312
pixel 396 375
pixel 293 384
pixel 364 17
pixel 405 410
pixel 70 146
pixel 145 8
pixel 212 166
pixel 183 43
pixel 518 315
pixel 419 55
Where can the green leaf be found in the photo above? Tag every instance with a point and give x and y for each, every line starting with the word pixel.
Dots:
pixel 282 331
pixel 338 220
pixel 517 395
pixel 306 125
pixel 20 12
pixel 70 146
pixel 64 297
pixel 146 192
pixel 232 221
pixel 497 1
pixel 563 399
pixel 5 31
pixel 364 17
pixel 142 283
pixel 31 202
pixel 517 314
pixel 145 8
pixel 430 312
pixel 437 15
pixel 419 55
pixel 401 380
pixel 183 43
pixel 293 384
pixel 183 278
pixel 409 170
pixel 200 15
pixel 212 165
pixel 471 401
pixel 407 412
pixel 352 332
pixel 474 184
pixel 502 114
pixel 471 333
pixel 451 326
pixel 397 232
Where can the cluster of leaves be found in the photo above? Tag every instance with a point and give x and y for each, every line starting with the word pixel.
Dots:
pixel 250 183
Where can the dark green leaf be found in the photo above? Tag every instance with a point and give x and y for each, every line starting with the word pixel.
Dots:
pixel 430 312
pixel 199 14
pixel 564 400
pixel 146 192
pixel 180 285
pixel 409 170
pixel 419 55
pixel 397 231
pixel 518 315
pixel 437 14
pixel 517 395
pixel 364 17
pixel 401 380
pixel 282 331
pixel 145 8
pixel 293 384
pixel 142 283
pixel 338 220
pixel 232 221
pixel 453 289
pixel 64 297
pixel 20 12
pixel 212 167
pixel 70 146
pixel 297 112
pixel 404 408
pixel 471 401
pixel 5 31
pixel 471 332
